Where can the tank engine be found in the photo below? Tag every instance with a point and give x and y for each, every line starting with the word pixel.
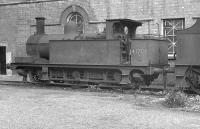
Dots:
pixel 115 57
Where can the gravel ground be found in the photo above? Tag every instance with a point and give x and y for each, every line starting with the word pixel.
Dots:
pixel 42 108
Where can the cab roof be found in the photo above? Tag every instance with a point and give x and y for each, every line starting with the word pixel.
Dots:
pixel 125 20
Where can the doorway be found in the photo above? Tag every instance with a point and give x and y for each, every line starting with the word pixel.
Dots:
pixel 3 60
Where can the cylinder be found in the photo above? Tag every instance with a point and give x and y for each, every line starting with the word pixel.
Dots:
pixel 44 50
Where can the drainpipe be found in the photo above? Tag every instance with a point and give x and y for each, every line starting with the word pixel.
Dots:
pixel 158 29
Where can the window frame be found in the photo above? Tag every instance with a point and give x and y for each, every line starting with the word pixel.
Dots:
pixel 76 14
pixel 170 32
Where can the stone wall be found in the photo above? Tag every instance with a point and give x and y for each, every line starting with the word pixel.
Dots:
pixel 17 17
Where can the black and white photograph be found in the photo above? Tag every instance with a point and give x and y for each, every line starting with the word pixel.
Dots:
pixel 99 64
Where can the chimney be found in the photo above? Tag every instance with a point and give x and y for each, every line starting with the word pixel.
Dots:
pixel 40 25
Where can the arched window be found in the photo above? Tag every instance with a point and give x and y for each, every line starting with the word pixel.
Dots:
pixel 76 14
pixel 78 19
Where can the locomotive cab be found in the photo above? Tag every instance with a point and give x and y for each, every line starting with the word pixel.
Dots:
pixel 119 28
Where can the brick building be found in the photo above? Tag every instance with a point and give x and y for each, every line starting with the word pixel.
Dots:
pixel 160 17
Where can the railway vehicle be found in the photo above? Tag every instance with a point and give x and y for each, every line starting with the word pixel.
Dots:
pixel 115 57
pixel 187 68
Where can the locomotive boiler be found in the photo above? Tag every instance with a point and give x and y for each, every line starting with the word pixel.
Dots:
pixel 115 57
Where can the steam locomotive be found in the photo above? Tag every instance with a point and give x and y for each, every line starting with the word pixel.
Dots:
pixel 115 57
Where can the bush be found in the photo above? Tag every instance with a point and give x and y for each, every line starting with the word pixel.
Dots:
pixel 175 99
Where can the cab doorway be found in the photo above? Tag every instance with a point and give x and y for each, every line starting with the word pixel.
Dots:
pixel 3 60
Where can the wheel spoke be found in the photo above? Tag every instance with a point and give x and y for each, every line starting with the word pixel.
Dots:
pixel 193 79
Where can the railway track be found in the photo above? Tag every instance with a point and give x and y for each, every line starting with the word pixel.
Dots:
pixel 22 83
pixel 152 91
pixel 14 83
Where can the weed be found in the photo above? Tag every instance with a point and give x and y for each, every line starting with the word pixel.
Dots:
pixel 175 98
